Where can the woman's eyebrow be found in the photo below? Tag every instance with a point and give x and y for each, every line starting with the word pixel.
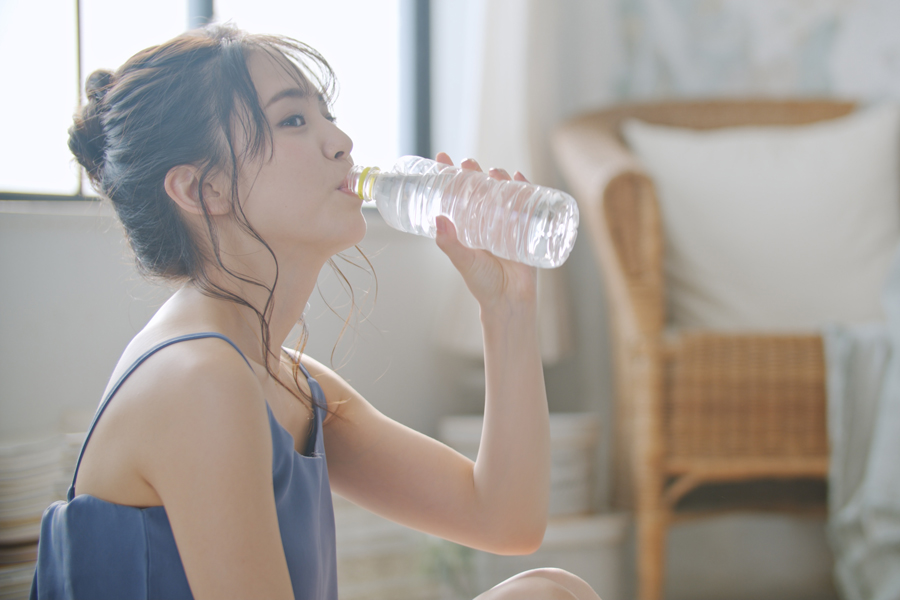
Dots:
pixel 291 92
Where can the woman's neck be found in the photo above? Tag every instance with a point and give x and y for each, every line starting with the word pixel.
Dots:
pixel 210 305
pixel 247 269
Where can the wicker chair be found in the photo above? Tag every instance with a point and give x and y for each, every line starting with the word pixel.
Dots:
pixel 700 407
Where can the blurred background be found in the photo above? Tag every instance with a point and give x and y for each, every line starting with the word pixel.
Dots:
pixel 488 79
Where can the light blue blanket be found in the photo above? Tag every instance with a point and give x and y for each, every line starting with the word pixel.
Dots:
pixel 864 429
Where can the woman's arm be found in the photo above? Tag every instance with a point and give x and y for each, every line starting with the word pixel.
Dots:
pixel 210 461
pixel 500 502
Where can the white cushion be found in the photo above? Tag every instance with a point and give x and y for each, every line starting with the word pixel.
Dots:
pixel 776 228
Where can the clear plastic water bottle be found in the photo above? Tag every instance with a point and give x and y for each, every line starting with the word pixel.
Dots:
pixel 520 221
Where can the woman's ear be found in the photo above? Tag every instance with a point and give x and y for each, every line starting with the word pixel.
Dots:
pixel 182 184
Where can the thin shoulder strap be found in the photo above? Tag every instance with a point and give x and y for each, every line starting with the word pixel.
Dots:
pixel 183 338
pixel 315 443
pixel 305 372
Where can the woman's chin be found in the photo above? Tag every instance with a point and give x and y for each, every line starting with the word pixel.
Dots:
pixel 363 227
pixel 356 234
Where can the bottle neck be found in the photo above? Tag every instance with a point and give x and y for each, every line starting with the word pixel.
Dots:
pixel 361 181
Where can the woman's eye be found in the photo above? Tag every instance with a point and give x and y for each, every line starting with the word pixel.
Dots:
pixel 294 121
pixel 330 117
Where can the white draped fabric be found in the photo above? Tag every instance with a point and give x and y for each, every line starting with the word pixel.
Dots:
pixel 506 71
pixel 863 423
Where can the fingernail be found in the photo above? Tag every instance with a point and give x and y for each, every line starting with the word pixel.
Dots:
pixel 440 225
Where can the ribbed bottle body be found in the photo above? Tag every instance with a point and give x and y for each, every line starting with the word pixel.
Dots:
pixel 516 220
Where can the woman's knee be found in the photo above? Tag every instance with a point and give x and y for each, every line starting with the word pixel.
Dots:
pixel 546 583
pixel 575 584
pixel 533 587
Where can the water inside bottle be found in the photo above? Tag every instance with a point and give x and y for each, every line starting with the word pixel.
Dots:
pixel 511 219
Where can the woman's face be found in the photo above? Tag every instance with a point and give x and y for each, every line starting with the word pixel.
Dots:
pixel 292 197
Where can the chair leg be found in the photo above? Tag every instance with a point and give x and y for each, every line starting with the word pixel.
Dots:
pixel 651 553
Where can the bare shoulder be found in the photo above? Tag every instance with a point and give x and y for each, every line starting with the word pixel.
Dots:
pixel 185 405
pixel 207 408
pixel 196 394
pixel 195 376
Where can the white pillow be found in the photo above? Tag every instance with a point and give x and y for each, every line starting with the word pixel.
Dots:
pixel 776 228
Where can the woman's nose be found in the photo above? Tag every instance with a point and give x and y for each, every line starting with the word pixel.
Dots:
pixel 338 145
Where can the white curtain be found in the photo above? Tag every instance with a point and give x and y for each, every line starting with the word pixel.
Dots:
pixel 864 477
pixel 507 71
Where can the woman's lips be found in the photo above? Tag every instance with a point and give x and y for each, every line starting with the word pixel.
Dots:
pixel 346 190
pixel 345 187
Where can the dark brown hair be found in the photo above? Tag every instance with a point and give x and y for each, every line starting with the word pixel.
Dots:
pixel 181 103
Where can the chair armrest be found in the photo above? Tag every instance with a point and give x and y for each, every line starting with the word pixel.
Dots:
pixel 618 203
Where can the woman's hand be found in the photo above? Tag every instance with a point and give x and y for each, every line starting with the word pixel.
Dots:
pixel 495 282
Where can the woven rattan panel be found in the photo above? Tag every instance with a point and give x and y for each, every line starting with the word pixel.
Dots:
pixel 747 396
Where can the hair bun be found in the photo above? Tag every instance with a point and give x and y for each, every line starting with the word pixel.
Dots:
pixel 87 139
pixel 97 84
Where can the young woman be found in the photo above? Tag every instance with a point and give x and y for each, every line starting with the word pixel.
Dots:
pixel 204 473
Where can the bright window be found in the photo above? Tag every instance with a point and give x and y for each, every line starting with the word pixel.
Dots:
pixel 38 70
pixel 38 66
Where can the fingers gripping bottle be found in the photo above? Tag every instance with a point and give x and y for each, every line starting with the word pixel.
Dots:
pixel 517 220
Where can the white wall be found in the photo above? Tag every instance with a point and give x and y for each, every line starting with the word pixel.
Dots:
pixel 69 303
pixel 71 300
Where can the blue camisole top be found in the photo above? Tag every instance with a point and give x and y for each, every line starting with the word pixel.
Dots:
pixel 97 550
